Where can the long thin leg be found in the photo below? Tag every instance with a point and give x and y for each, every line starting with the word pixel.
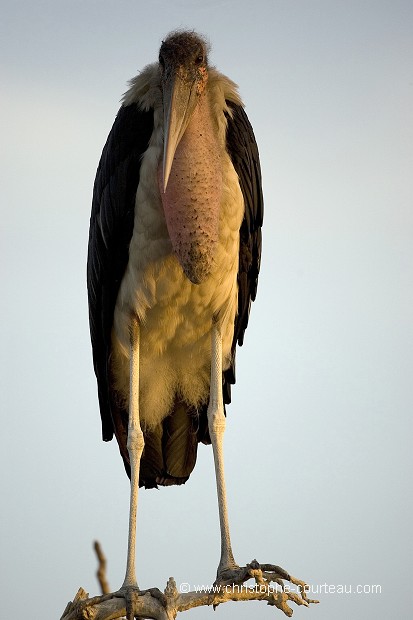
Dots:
pixel 216 425
pixel 135 448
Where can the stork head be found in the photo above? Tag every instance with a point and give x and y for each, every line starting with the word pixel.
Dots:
pixel 184 74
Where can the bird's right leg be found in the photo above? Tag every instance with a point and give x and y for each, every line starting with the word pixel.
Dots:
pixel 135 448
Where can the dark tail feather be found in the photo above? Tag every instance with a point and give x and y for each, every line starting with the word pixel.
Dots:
pixel 180 442
pixel 170 451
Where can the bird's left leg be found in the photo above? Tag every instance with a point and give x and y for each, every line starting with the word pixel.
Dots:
pixel 216 426
pixel 135 446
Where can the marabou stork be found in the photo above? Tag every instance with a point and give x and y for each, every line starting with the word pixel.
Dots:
pixel 173 262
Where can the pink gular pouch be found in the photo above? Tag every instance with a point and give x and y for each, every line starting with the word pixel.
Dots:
pixel 192 198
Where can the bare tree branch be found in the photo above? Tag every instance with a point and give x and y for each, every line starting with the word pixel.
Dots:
pixel 101 572
pixel 272 584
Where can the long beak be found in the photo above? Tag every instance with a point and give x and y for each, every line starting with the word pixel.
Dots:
pixel 180 99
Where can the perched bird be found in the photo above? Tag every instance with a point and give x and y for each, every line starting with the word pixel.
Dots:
pixel 173 262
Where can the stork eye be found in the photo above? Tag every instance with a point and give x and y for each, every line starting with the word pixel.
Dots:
pixel 199 59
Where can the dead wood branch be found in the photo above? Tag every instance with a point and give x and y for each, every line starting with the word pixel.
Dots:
pixel 272 584
pixel 101 571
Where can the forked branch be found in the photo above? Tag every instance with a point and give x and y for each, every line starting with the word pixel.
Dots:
pixel 271 584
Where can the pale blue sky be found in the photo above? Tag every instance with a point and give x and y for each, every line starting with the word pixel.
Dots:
pixel 319 435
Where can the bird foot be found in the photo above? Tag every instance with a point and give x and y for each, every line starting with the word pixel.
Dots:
pixel 134 599
pixel 131 595
pixel 229 574
pixel 269 582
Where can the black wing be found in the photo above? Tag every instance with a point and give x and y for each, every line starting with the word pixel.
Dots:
pixel 111 227
pixel 243 151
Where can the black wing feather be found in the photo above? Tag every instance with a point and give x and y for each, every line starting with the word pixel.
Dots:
pixel 243 151
pixel 111 227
